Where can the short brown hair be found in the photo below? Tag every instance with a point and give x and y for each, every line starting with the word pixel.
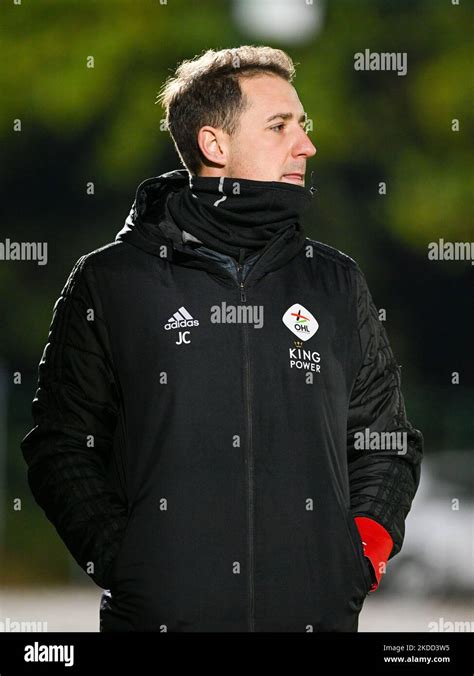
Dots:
pixel 206 90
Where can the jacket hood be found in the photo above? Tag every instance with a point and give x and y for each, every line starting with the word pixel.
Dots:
pixel 147 225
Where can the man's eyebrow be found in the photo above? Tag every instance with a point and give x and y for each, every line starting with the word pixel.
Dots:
pixel 286 116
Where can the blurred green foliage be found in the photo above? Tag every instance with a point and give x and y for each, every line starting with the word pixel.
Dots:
pixel 101 124
pixel 402 125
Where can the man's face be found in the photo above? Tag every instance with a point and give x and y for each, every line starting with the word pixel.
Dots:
pixel 270 143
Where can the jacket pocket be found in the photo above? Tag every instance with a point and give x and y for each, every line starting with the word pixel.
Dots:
pixel 119 456
pixel 131 554
pixel 112 571
pixel 358 551
pixel 118 481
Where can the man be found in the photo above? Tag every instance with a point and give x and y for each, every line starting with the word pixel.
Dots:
pixel 211 379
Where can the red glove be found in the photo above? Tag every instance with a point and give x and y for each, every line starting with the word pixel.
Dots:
pixel 377 544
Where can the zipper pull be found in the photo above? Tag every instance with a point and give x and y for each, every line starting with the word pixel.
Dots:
pixel 242 291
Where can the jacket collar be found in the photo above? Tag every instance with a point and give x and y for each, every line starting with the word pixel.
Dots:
pixel 149 227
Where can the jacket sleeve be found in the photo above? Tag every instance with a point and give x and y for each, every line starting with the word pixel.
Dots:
pixel 383 477
pixel 75 414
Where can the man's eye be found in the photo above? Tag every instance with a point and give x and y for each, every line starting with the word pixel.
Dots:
pixel 278 126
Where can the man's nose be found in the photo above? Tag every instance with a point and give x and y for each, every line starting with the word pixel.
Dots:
pixel 304 146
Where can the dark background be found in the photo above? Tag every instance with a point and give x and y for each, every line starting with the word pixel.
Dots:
pixel 101 124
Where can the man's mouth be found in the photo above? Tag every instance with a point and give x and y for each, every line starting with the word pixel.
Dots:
pixel 296 177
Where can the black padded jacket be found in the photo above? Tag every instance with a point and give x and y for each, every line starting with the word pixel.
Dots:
pixel 195 431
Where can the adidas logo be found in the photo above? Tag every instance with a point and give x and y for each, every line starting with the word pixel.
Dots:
pixel 181 319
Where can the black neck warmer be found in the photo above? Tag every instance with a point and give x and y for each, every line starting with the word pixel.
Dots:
pixel 239 217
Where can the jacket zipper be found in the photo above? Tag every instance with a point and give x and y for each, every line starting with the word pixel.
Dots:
pixel 249 462
pixel 241 283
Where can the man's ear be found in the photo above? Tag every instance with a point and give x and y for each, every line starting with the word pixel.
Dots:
pixel 213 145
